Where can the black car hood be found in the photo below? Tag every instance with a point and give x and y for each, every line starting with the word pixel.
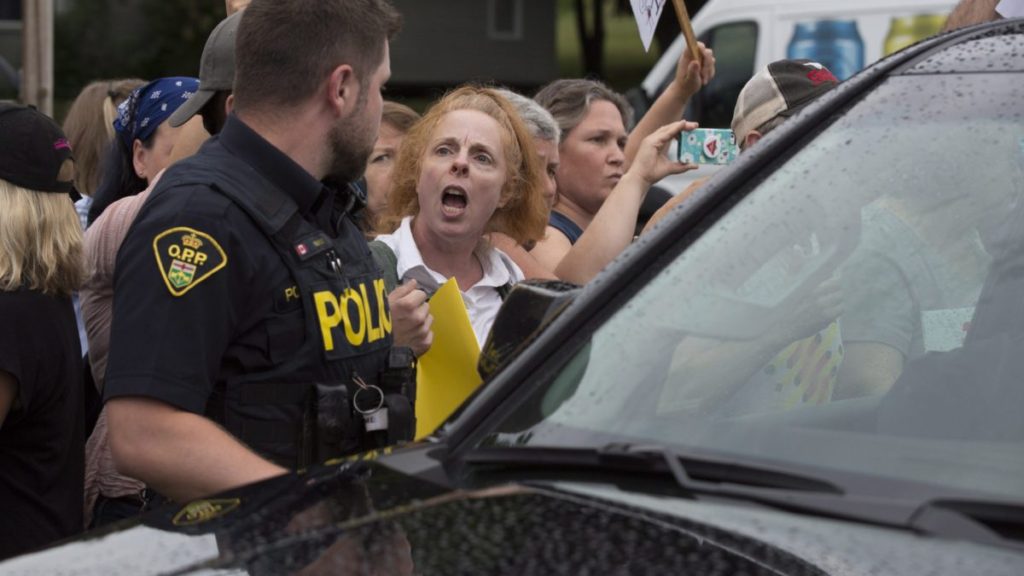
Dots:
pixel 336 520
pixel 368 518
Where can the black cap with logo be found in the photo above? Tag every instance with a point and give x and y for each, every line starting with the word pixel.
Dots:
pixel 33 149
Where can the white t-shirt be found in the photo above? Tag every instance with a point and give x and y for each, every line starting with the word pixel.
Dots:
pixel 482 299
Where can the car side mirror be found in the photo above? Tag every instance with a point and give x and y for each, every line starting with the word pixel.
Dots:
pixel 529 308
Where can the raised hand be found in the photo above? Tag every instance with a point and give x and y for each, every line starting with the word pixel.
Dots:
pixel 692 75
pixel 410 318
pixel 651 164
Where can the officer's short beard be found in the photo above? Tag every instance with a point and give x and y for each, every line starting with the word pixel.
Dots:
pixel 351 145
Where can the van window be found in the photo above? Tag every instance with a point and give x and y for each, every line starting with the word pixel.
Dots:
pixel 735 46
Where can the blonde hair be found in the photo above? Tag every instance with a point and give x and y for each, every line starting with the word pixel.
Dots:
pixel 40 241
pixel 89 127
pixel 524 215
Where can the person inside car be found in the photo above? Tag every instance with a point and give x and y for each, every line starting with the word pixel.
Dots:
pixel 972 392
pixel 914 280
pixel 796 363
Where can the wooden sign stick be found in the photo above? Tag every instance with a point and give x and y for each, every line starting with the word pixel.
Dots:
pixel 684 25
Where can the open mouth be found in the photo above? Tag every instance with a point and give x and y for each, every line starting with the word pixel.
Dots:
pixel 454 200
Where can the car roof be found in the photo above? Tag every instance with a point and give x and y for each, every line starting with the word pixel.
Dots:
pixel 999 49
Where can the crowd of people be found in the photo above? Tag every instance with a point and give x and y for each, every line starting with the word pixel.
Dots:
pixel 252 252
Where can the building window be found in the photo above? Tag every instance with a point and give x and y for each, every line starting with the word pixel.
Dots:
pixel 505 19
pixel 10 9
pixel 735 46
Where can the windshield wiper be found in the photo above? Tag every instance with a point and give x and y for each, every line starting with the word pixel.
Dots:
pixel 691 473
pixel 696 476
pixel 987 522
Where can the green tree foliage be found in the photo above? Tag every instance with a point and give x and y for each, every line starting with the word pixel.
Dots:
pixel 98 39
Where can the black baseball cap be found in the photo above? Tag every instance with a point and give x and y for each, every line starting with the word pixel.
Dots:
pixel 32 150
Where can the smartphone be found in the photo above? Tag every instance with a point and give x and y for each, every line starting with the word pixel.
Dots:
pixel 708 146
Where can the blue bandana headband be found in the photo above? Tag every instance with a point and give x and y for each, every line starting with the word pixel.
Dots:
pixel 147 107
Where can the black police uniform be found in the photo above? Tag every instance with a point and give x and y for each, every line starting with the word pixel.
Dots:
pixel 232 300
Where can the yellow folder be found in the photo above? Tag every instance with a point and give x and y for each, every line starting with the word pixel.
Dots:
pixel 446 375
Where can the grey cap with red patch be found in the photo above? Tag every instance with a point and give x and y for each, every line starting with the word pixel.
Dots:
pixel 783 88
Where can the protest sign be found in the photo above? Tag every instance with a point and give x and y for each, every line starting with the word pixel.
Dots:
pixel 647 13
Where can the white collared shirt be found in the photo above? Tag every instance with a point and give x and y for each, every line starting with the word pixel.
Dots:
pixel 482 299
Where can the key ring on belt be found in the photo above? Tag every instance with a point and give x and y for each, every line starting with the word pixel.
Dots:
pixel 364 387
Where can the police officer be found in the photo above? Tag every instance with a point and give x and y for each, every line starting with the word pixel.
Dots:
pixel 251 332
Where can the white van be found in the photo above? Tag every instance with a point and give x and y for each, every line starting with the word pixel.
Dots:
pixel 845 35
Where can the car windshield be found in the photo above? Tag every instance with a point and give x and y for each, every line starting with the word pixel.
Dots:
pixel 859 310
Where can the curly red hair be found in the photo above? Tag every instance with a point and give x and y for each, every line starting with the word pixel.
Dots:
pixel 524 214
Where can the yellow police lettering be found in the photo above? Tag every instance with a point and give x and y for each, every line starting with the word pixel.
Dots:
pixel 291 293
pixel 385 315
pixel 353 309
pixel 354 337
pixel 327 320
pixel 200 258
pixel 376 333
pixel 174 251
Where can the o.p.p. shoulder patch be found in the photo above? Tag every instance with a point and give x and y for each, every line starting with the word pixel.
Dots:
pixel 186 257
